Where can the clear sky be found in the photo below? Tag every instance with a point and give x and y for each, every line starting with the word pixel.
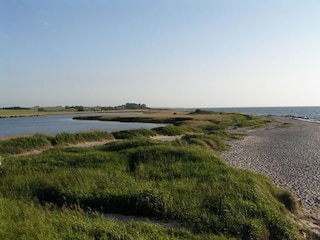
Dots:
pixel 163 53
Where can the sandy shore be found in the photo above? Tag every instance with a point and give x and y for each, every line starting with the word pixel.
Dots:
pixel 290 156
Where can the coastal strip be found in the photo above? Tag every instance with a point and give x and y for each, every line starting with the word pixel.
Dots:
pixel 288 152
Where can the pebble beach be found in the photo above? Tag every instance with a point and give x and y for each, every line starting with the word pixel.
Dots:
pixel 288 151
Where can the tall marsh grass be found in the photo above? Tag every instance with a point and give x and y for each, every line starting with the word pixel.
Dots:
pixel 190 185
pixel 63 193
pixel 40 141
pixel 22 144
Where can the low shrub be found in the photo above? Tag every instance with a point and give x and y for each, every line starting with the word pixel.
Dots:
pixel 128 144
pixel 170 130
pixel 249 120
pixel 73 138
pixel 134 133
pixel 200 111
pixel 289 201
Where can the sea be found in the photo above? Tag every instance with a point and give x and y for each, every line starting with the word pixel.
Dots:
pixel 311 114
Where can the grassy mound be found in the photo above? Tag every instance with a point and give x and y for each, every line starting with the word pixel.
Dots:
pixel 169 181
pixel 63 192
pixel 41 141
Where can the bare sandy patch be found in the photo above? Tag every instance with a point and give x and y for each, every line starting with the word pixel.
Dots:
pixel 164 138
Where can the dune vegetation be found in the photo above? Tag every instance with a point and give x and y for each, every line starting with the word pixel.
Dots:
pixel 182 188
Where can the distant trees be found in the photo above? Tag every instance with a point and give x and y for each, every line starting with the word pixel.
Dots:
pixel 131 106
pixel 135 106
pixel 16 108
pixel 80 108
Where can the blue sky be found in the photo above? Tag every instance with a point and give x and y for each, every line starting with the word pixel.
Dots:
pixel 164 53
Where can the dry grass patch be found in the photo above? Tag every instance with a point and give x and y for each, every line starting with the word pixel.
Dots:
pixel 172 114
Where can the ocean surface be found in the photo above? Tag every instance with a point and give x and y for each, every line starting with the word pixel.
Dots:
pixel 302 113
pixel 54 124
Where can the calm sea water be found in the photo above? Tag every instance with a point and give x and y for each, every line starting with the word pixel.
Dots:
pixel 62 123
pixel 305 113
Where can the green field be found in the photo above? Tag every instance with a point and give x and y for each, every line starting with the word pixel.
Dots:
pixel 40 111
pixel 183 186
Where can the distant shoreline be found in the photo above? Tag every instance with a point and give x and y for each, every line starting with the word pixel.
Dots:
pixel 19 113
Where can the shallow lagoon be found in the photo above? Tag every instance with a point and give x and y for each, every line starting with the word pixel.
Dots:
pixel 54 124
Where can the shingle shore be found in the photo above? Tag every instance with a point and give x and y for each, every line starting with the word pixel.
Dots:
pixel 289 156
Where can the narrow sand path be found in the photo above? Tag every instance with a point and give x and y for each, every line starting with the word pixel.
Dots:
pixel 161 138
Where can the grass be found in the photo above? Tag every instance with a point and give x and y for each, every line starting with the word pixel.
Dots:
pixel 70 138
pixel 62 193
pixel 182 183
pixel 31 221
pixel 40 141
pixel 41 111
pixel 33 112
pixel 23 144
pixel 134 133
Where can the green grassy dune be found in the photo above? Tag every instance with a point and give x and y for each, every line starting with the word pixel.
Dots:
pixel 63 192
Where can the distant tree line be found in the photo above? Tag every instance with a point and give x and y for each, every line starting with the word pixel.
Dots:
pixel 16 108
pixel 127 106
pixel 78 108
pixel 132 106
